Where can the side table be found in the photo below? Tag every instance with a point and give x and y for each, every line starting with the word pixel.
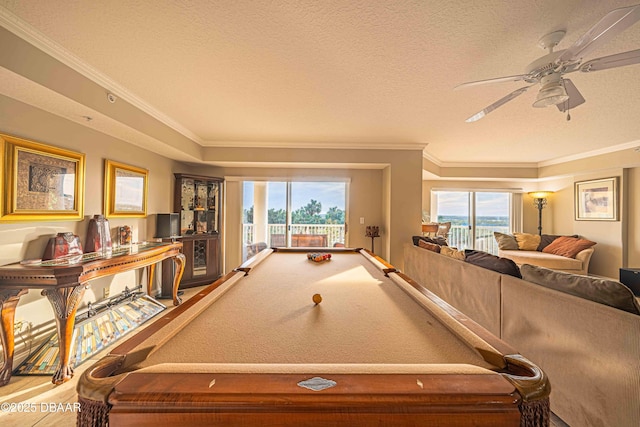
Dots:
pixel 631 278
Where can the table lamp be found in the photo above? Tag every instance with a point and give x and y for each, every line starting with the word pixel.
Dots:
pixel 372 231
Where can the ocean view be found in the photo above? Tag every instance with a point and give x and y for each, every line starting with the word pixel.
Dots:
pixel 481 221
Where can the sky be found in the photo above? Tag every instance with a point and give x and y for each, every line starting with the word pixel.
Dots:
pixel 329 194
pixel 487 204
pixel 333 194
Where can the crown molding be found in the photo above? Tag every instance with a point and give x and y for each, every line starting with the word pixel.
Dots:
pixel 318 145
pixel 476 165
pixel 29 34
pixel 625 146
pixel 566 159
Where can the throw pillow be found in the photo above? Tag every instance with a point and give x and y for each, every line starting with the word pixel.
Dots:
pixel 506 242
pixel 546 239
pixel 429 246
pixel 492 262
pixel 603 291
pixel 452 252
pixel 527 242
pixel 568 246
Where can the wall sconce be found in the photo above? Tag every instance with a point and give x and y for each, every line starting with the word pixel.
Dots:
pixel 372 231
pixel 539 202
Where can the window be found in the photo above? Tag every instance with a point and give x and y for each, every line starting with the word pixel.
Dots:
pixel 293 214
pixel 474 216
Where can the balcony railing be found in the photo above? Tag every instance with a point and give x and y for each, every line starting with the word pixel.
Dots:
pixel 460 237
pixel 335 233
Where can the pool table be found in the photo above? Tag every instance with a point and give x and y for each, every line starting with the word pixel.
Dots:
pixel 253 348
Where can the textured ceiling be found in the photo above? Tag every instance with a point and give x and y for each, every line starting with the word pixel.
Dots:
pixel 348 73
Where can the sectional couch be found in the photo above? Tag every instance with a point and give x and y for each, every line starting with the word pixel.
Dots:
pixel 590 351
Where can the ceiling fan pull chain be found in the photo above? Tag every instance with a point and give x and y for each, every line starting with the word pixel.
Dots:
pixel 566 103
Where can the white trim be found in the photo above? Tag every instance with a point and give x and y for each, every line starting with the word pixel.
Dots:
pixel 627 145
pixel 288 179
pixel 326 145
pixel 479 190
pixel 612 149
pixel 515 220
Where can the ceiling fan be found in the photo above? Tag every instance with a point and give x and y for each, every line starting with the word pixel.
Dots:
pixel 548 71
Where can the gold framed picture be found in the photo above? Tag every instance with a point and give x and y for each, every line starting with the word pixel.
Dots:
pixel 597 200
pixel 125 190
pixel 40 182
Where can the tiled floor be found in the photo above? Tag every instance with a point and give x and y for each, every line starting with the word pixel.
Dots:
pixel 35 401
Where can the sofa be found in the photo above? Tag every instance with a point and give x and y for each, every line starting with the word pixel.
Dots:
pixel 589 350
pixel 564 253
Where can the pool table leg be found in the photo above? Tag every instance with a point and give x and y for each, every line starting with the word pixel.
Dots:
pixel 65 303
pixel 179 261
pixel 8 302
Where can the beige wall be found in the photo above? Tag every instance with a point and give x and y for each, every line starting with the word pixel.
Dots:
pixel 611 241
pixel 25 240
pixel 632 212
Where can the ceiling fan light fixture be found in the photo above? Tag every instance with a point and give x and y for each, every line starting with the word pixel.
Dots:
pixel 552 93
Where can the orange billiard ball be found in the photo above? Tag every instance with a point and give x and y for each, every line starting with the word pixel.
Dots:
pixel 317 298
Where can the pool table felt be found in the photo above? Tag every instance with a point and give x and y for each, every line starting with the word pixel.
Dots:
pixel 268 320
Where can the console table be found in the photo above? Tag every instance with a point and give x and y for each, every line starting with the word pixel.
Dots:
pixel 64 280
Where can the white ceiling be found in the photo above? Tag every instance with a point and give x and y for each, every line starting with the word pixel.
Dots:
pixel 348 73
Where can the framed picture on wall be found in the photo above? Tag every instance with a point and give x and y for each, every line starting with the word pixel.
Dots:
pixel 597 200
pixel 40 182
pixel 125 192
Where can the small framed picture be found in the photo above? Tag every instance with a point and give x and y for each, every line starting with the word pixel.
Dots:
pixel 597 200
pixel 40 182
pixel 125 192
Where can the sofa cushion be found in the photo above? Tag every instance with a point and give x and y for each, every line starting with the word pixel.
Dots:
pixel 542 259
pixel 429 246
pixel 506 241
pixel 603 291
pixel 492 262
pixel 568 246
pixel 452 252
pixel 527 242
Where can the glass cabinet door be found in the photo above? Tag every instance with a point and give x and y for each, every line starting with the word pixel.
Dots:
pixel 198 201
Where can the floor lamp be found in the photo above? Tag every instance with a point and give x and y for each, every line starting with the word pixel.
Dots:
pixel 539 202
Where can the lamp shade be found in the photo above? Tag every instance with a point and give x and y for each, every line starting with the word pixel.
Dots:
pixel 552 95
pixel 552 91
pixel 540 194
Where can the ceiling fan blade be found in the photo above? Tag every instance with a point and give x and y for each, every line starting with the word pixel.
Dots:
pixel 612 61
pixel 612 24
pixel 575 97
pixel 497 104
pixel 517 78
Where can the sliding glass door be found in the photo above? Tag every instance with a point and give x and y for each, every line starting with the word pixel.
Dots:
pixel 474 216
pixel 293 214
